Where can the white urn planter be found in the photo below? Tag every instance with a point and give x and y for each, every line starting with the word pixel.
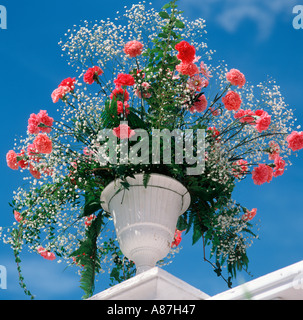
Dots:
pixel 145 219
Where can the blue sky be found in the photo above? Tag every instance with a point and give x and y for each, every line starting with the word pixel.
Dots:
pixel 254 36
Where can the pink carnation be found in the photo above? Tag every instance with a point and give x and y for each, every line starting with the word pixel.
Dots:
pixel 87 151
pixel 123 131
pixel 232 101
pixel 37 119
pixel 240 168
pixel 274 150
pixel 245 116
pixel 33 153
pixel 263 122
pixel 261 174
pixel 177 238
pixel 92 74
pixel 34 171
pixel 196 83
pixel 279 166
pixel 17 216
pixel 46 120
pixel 199 105
pixel 133 48
pixel 33 123
pixel 249 215
pixel 11 160
pixel 236 78
pixel 189 69
pixel 124 79
pixel 186 53
pixel 46 254
pixel 59 93
pixel 295 140
pixel 142 90
pixel 215 112
pixel 47 171
pixel 42 143
pixel 204 70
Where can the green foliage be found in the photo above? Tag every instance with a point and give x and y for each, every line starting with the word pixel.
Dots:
pixel 164 15
pixel 87 256
pixel 92 204
pixel 146 178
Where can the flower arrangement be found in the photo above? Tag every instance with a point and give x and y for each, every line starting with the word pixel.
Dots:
pixel 153 73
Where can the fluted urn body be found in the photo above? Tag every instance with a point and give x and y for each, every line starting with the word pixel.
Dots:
pixel 145 218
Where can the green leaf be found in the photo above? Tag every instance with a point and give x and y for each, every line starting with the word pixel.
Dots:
pixel 163 35
pixel 125 184
pixel 218 270
pixel 134 121
pixel 146 178
pixel 197 234
pixel 179 24
pixel 229 283
pixel 166 6
pixel 182 224
pixel 92 204
pixel 164 15
pixel 115 274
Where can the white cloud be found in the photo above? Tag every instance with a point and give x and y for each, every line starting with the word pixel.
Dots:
pixel 229 14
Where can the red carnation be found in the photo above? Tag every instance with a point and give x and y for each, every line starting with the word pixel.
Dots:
pixel 187 52
pixel 68 82
pixel 23 163
pixel 249 215
pixel 123 131
pixel 91 74
pixel 122 107
pixel 279 166
pixel 124 79
pixel 177 238
pixel 119 93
